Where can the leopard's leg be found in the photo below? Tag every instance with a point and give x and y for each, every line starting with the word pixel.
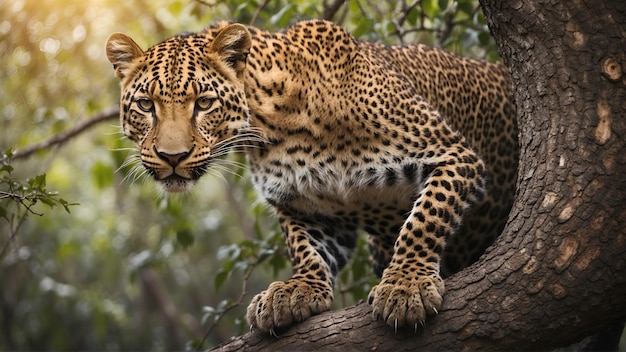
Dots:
pixel 411 286
pixel 318 251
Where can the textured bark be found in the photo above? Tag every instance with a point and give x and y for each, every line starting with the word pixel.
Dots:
pixel 558 272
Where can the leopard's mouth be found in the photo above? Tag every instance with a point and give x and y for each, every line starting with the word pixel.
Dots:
pixel 175 183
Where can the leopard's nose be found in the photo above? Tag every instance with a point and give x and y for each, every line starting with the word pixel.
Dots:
pixel 172 159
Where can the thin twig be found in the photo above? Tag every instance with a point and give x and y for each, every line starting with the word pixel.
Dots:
pixel 231 306
pixel 104 115
pixel 258 11
pixel 447 27
pixel 14 230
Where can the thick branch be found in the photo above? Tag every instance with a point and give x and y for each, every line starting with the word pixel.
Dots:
pixel 82 126
pixel 482 310
pixel 330 9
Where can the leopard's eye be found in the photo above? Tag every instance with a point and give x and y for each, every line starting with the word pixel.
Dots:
pixel 204 103
pixel 145 104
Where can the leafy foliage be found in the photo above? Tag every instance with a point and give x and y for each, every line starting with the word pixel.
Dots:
pixel 127 268
pixel 17 199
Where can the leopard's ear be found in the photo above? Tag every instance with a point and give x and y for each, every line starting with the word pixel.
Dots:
pixel 232 44
pixel 122 51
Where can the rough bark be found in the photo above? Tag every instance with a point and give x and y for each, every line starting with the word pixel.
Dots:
pixel 558 272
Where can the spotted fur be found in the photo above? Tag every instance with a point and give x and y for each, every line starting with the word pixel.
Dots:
pixel 413 145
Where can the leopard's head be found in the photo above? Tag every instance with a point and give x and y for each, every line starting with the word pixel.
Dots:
pixel 182 101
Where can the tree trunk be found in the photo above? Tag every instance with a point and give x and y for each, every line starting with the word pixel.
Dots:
pixel 558 272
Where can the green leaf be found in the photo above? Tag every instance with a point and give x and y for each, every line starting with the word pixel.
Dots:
pixel 242 8
pixel 6 168
pixel 466 6
pixel 48 201
pixel 484 38
pixel 278 262
pixel 220 278
pixel 224 304
pixel 364 27
pixel 430 7
pixel 8 154
pixel 185 237
pixel 66 205
pixel 175 8
pixel 282 17
pixel 209 313
pixel 38 183
pixel 413 16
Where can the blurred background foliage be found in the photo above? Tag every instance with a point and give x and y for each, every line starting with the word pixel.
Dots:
pixel 93 258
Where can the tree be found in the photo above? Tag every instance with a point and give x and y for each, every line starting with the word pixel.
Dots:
pixel 558 272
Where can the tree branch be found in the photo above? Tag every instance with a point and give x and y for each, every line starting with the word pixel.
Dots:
pixel 82 126
pixel 330 9
pixel 257 11
pixel 478 313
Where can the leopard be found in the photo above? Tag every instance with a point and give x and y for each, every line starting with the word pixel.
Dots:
pixel 412 146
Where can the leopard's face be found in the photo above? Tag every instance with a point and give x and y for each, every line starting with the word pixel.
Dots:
pixel 182 103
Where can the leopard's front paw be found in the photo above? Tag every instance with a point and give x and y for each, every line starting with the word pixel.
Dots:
pixel 402 301
pixel 285 303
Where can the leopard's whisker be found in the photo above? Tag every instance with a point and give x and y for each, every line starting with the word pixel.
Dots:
pixel 131 160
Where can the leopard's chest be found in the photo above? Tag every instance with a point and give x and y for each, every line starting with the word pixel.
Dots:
pixel 333 183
